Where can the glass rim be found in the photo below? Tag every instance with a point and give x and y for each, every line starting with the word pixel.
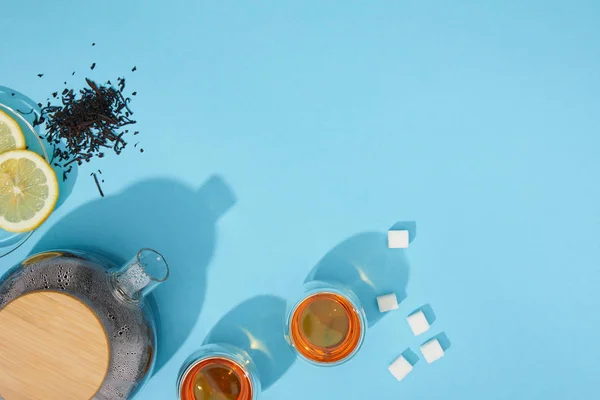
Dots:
pixel 162 258
pixel 326 288
pixel 7 249
pixel 29 126
pixel 221 351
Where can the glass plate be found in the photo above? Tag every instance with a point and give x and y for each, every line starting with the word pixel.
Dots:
pixel 24 113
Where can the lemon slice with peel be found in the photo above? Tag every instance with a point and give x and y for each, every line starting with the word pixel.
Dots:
pixel 28 190
pixel 11 135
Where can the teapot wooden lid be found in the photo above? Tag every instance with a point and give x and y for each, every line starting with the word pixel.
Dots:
pixel 52 347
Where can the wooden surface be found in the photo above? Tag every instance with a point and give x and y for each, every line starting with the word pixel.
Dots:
pixel 52 347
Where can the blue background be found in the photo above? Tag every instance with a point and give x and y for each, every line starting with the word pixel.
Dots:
pixel 274 131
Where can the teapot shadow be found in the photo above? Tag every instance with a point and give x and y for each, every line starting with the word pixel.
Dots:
pixel 168 216
pixel 257 326
pixel 365 264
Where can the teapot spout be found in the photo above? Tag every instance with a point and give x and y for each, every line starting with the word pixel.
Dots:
pixel 141 275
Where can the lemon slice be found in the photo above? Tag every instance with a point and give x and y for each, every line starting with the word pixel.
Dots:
pixel 28 190
pixel 11 135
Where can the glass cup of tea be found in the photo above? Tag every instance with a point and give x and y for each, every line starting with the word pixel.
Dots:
pixel 218 372
pixel 327 325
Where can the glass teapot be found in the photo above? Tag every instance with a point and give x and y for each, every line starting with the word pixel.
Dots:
pixel 118 297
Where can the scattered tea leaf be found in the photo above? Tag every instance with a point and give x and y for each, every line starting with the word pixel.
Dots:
pixel 98 184
pixel 86 123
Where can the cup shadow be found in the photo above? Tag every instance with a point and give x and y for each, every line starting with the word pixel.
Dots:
pixel 257 326
pixel 30 111
pixel 163 214
pixel 366 265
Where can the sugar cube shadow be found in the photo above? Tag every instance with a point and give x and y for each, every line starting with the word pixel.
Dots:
pixel 443 340
pixel 410 356
pixel 427 311
pixel 366 265
pixel 166 215
pixel 257 326
pixel 410 226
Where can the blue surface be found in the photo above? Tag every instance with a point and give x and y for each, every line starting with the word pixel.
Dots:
pixel 276 131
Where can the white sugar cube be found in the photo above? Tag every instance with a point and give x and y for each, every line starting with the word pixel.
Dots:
pixel 400 368
pixel 432 350
pixel 418 322
pixel 387 302
pixel 398 239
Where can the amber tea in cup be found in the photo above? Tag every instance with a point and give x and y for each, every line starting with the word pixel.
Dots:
pixel 327 326
pixel 218 372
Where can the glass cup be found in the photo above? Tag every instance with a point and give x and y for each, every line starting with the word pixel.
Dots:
pixel 218 372
pixel 327 325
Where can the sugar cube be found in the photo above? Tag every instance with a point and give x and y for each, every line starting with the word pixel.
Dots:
pixel 432 350
pixel 418 322
pixel 400 368
pixel 387 302
pixel 398 239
